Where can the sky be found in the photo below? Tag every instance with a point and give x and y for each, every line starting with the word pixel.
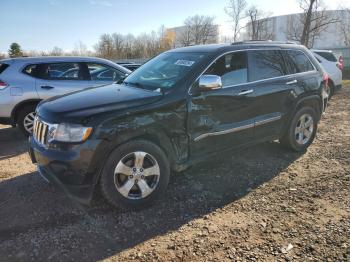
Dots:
pixel 44 24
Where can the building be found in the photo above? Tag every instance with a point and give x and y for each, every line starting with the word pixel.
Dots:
pixel 289 27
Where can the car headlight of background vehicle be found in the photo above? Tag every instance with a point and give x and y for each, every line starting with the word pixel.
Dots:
pixel 68 133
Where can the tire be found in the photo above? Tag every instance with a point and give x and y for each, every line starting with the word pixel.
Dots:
pixel 25 114
pixel 124 190
pixel 331 90
pixel 295 140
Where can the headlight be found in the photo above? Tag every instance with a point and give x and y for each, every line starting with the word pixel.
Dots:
pixel 68 133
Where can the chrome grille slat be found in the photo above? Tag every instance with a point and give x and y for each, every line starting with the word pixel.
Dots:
pixel 43 135
pixel 40 131
pixel 35 127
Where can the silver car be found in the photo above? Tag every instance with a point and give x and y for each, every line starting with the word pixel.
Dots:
pixel 24 82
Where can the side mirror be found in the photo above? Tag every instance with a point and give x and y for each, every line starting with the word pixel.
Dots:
pixel 209 82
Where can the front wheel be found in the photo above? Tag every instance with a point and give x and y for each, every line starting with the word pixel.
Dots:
pixel 135 174
pixel 301 131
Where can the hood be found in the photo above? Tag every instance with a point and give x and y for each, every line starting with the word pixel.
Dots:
pixel 92 101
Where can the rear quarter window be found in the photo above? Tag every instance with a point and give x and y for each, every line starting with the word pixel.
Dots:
pixel 297 61
pixel 30 70
pixel 3 66
pixel 328 56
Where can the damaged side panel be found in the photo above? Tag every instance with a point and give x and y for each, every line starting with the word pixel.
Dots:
pixel 219 120
pixel 164 126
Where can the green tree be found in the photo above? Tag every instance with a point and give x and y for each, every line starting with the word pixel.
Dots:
pixel 15 50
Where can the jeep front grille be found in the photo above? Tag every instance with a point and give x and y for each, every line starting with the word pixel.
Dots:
pixel 40 131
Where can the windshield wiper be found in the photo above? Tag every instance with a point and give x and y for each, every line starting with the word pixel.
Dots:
pixel 139 85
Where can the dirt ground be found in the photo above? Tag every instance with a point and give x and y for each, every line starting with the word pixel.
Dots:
pixel 260 204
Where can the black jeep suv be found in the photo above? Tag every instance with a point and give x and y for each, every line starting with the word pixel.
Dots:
pixel 180 107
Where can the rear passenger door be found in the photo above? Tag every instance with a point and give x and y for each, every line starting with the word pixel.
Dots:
pixel 302 73
pixel 272 91
pixel 60 78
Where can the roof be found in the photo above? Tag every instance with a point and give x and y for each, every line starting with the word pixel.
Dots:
pixel 200 48
pixel 49 59
pixel 57 58
pixel 234 46
pixel 321 50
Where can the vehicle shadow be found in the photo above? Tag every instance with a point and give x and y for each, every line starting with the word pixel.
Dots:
pixel 101 231
pixel 12 143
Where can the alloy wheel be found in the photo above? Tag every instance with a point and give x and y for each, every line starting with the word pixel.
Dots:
pixel 304 129
pixel 28 122
pixel 136 175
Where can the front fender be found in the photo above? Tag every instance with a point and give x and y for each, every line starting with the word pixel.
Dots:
pixel 165 127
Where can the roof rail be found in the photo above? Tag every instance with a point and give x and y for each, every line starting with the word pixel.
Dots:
pixel 263 41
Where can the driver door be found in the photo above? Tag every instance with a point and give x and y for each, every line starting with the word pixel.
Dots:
pixel 222 118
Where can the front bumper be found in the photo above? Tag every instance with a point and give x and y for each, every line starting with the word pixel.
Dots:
pixel 72 168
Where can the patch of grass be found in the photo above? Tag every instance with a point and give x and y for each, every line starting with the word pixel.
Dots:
pixel 346 82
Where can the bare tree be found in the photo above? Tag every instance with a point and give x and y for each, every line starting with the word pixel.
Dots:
pixel 118 45
pixel 236 11
pixel 199 29
pixel 307 26
pixel 185 38
pixel 258 26
pixel 129 44
pixel 80 49
pixel 104 47
pixel 56 51
pixel 344 27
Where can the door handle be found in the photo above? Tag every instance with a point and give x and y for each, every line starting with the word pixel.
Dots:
pixel 245 92
pixel 292 82
pixel 47 87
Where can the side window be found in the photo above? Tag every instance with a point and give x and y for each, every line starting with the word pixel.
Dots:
pixel 56 71
pixel 3 66
pixel 266 64
pixel 36 70
pixel 100 72
pixel 298 62
pixel 64 71
pixel 31 70
pixel 232 68
pixel 328 56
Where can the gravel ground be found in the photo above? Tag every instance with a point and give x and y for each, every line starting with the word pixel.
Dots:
pixel 263 204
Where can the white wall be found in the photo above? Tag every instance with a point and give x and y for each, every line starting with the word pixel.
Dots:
pixel 329 38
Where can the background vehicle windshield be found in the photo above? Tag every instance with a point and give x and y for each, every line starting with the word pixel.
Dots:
pixel 165 70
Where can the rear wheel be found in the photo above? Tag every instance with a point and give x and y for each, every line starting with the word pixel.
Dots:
pixel 135 174
pixel 25 119
pixel 301 131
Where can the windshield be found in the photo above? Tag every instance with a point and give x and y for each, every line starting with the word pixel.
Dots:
pixel 164 71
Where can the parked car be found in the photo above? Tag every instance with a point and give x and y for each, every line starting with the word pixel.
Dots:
pixel 333 68
pixel 24 82
pixel 181 107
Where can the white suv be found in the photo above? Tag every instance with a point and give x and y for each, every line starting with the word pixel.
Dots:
pixel 25 81
pixel 332 66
